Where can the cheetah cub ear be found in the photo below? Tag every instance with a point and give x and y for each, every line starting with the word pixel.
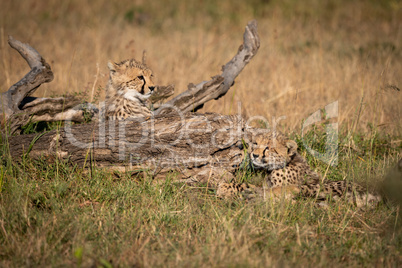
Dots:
pixel 112 66
pixel 292 147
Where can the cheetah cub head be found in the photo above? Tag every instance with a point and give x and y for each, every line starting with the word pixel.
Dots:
pixel 271 152
pixel 131 80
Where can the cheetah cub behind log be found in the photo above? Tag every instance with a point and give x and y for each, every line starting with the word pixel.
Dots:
pixel 130 85
pixel 287 174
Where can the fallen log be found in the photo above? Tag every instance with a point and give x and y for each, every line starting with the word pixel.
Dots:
pixel 197 147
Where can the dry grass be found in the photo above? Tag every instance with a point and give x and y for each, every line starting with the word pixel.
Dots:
pixel 311 54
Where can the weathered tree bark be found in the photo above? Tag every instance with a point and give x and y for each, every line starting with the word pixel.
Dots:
pixel 203 147
pixel 161 93
pixel 19 108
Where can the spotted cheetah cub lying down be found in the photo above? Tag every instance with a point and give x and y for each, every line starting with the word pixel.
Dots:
pixel 130 85
pixel 288 175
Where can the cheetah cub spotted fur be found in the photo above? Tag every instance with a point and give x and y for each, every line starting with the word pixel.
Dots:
pixel 130 85
pixel 288 175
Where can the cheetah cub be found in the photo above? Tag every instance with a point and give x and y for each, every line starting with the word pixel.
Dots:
pixel 287 174
pixel 130 85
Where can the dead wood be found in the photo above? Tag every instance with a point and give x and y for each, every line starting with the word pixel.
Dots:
pixel 19 107
pixel 194 98
pixel 40 73
pixel 161 93
pixel 200 146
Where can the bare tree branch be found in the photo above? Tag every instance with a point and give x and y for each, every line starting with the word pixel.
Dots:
pixel 40 73
pixel 196 95
pixel 19 108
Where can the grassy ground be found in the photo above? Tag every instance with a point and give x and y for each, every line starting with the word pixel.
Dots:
pixel 56 215
pixel 311 54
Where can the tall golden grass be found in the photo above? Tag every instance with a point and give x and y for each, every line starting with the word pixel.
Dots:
pixel 312 53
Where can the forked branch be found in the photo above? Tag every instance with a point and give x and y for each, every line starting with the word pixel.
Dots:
pixel 40 73
pixel 18 107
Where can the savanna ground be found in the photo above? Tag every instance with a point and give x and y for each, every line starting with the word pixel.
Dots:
pixel 312 54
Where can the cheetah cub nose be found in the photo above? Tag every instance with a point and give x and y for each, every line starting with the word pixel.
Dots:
pixel 255 155
pixel 151 88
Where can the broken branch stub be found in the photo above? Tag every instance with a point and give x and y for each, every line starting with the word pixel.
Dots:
pixel 162 93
